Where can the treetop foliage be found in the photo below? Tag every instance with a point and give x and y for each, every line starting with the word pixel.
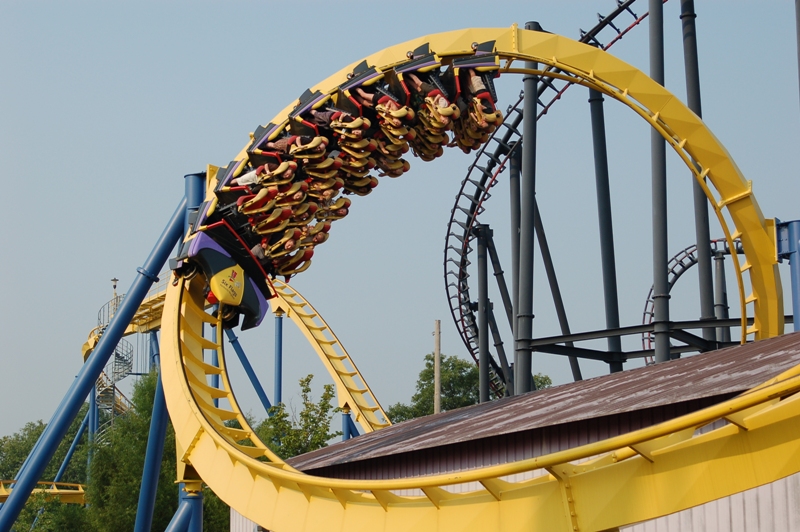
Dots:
pixel 459 384
pixel 112 486
pixel 292 434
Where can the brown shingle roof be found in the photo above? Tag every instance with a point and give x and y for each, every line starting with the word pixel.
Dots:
pixel 717 373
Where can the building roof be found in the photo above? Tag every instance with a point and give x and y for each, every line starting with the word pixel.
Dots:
pixel 713 374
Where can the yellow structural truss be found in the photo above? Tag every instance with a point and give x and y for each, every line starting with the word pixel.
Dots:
pixel 634 477
pixel 65 492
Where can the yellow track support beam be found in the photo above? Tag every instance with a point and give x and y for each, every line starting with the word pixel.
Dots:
pixel 352 390
pixel 633 477
pixel 65 492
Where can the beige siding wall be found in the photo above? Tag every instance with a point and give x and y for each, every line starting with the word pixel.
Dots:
pixel 240 523
pixel 771 508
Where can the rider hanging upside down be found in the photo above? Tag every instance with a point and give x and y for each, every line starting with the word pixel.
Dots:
pixel 293 143
pixel 339 122
pixel 372 101
pixel 263 173
pixel 434 97
pixel 482 109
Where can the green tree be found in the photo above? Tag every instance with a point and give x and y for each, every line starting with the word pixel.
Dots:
pixel 48 512
pixel 542 381
pixel 118 462
pixel 117 465
pixel 460 387
pixel 50 515
pixel 15 448
pixel 289 435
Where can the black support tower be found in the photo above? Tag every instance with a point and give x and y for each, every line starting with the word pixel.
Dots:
pixel 702 231
pixel 659 196
pixel 605 225
pixel 523 382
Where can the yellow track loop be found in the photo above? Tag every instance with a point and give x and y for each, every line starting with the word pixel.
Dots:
pixel 629 478
pixel 65 492
pixel 731 195
pixel 353 391
pixel 192 345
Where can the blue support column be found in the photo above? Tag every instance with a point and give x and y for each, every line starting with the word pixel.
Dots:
pixel 153 457
pixel 88 374
pixel 93 415
pixel 237 348
pixel 180 521
pixel 353 428
pixel 194 187
pixel 154 351
pixel 278 357
pixel 191 496
pixel 789 248
pixel 346 422
pixel 95 410
pixel 71 451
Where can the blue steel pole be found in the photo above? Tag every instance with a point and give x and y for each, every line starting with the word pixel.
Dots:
pixel 192 497
pixel 92 413
pixel 180 521
pixel 278 356
pixel 72 448
pixel 789 248
pixel 353 429
pixel 154 351
pixel 194 190
pixel 794 269
pixel 237 348
pixel 152 460
pixel 346 425
pixel 85 381
pixel 96 411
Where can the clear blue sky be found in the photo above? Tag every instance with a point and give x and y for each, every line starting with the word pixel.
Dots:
pixel 104 106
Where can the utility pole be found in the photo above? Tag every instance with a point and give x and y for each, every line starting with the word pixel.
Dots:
pixel 437 367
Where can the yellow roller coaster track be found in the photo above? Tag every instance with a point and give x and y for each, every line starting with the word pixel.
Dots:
pixel 352 390
pixel 637 476
pixel 626 479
